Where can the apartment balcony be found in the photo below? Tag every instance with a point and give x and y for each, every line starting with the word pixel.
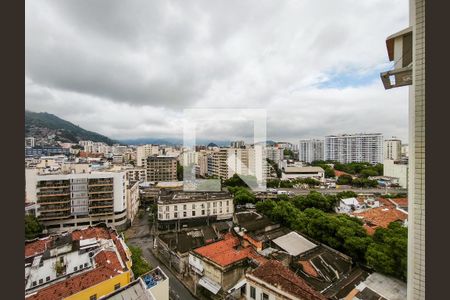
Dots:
pixel 53 193
pixel 46 216
pixel 52 184
pixel 54 208
pixel 47 202
pixel 100 182
pixel 94 204
pixel 93 212
pixel 101 197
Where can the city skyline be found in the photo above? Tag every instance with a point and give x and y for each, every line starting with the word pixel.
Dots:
pixel 161 58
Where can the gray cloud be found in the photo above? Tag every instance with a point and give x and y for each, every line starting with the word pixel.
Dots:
pixel 127 69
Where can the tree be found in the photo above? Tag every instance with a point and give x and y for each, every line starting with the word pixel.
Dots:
pixel 344 180
pixel 346 194
pixel 33 228
pixel 179 172
pixel 139 266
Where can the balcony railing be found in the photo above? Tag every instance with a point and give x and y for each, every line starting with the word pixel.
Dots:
pixel 54 215
pixel 54 208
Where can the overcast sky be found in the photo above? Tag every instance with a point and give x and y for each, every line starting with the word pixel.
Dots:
pixel 127 69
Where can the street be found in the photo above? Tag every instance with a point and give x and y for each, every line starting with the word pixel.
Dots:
pixel 139 235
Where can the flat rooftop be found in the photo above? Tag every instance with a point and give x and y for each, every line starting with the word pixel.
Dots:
pixel 168 197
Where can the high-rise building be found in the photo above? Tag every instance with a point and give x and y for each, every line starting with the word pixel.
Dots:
pixel 237 144
pixel 310 150
pixel 144 151
pixel 161 168
pixel 347 148
pixel 274 154
pixel 70 201
pixel 226 162
pixel 407 49
pixel 393 149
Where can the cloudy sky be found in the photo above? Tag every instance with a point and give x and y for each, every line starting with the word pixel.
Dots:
pixel 128 69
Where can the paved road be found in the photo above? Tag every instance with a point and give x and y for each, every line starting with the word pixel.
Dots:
pixel 139 235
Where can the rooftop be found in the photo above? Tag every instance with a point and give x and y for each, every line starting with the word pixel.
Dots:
pixel 136 290
pixel 303 170
pixel 228 251
pixel 378 286
pixel 294 243
pixel 380 217
pixel 278 276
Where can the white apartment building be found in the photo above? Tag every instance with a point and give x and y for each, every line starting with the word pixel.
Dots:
pixel 310 150
pixel 397 169
pixel 347 148
pixel 237 144
pixel 226 162
pixel 393 149
pixel 144 151
pixel 180 208
pixel 71 201
pixel 274 154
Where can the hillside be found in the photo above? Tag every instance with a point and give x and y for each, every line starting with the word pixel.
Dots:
pixel 42 124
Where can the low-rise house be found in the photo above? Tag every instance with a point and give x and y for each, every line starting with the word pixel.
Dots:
pixel 348 205
pixel 328 271
pixel 294 243
pixel 378 286
pixel 381 217
pixel 174 247
pixel 218 267
pixel 272 280
pixel 84 264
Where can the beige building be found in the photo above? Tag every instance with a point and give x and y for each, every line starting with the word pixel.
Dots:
pixel 393 149
pixel 407 49
pixel 144 151
pixel 397 169
pixel 161 168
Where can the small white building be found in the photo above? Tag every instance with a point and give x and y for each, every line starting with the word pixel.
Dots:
pixel 303 172
pixel 348 205
pixel 397 169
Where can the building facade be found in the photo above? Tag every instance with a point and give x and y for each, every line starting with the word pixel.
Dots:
pixel 71 201
pixel 310 150
pixel 393 149
pixel 397 169
pixel 161 168
pixel 176 209
pixel 348 148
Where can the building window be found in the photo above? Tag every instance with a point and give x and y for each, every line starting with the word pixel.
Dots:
pixel 75 269
pixel 220 203
pixel 93 297
pixel 117 286
pixel 167 208
pixel 184 214
pixel 159 208
pixel 214 204
pixel 167 216
pixel 214 211
pixel 41 281
pixel 193 213
pixel 203 212
pixel 209 205
pixel 85 265
pixel 264 296
pixel 175 215
pixel 184 206
pixel 48 278
pixel 175 208
pixel 160 216
pixel 34 283
pixel 193 206
pixel 252 292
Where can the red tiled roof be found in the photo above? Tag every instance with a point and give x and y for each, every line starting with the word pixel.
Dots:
pixel 274 273
pixel 340 173
pixel 107 266
pixel 37 246
pixel 402 202
pixel 386 202
pixel 224 252
pixel 308 268
pixel 381 217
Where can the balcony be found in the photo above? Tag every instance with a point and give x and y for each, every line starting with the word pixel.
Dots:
pixel 54 208
pixel 54 215
pixel 53 184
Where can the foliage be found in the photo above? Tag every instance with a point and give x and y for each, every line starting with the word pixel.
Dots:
pixel 362 182
pixel 288 152
pixel 140 266
pixel 329 171
pixel 346 194
pixel 179 171
pixel 362 168
pixel 242 195
pixel 33 228
pixel 388 253
pixel 385 251
pixel 316 200
pixel 275 166
pixel 236 180
pixel 344 180
pixel 393 196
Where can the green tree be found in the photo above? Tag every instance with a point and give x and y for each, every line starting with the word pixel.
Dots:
pixel 139 266
pixel 179 172
pixel 344 180
pixel 33 228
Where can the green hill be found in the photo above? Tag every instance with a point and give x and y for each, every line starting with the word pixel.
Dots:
pixel 42 124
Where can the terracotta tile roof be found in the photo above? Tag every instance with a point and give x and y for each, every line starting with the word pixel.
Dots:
pixel 224 252
pixel 402 202
pixel 107 266
pixel 380 217
pixel 308 268
pixel 340 173
pixel 385 202
pixel 36 247
pixel 274 273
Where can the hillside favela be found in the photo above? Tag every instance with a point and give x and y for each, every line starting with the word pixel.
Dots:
pixel 293 180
